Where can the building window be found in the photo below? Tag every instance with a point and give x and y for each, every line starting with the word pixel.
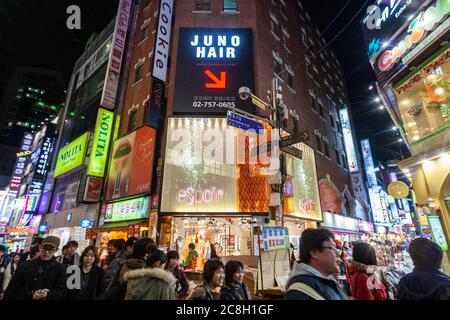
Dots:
pixel 132 120
pixel 308 69
pixel 144 33
pixel 313 102
pixel 327 148
pixel 138 73
pixel 203 5
pixel 338 157
pixel 319 143
pixel 321 109
pixel 147 2
pixel 229 5
pixel 304 38
pixel 277 66
pixel 290 80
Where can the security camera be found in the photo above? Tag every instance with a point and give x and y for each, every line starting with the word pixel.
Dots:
pixel 244 93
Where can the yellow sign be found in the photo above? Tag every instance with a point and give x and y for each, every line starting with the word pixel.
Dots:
pixel 23 153
pixel 102 136
pixel 398 190
pixel 72 155
pixel 259 103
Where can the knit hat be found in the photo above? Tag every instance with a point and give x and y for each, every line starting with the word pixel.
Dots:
pixel 425 253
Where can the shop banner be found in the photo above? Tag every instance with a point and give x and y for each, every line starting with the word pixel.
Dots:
pixel 19 167
pixel 116 55
pixel 90 234
pixel 153 224
pixel 127 210
pixel 438 232
pixel 92 189
pixel 368 161
pixel 72 155
pixel 304 202
pixel 338 221
pixel 162 40
pixel 348 141
pixel 131 168
pixel 275 238
pixel 365 226
pixel 134 230
pixel 102 136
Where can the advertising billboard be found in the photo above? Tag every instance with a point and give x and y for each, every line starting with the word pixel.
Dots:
pixel 385 19
pixel 348 141
pixel 116 55
pixel 438 232
pixel 19 167
pixel 275 238
pixel 127 210
pixel 102 136
pixel 131 168
pixel 303 199
pixel 202 171
pixel 330 199
pixel 162 40
pixel 72 155
pixel 212 65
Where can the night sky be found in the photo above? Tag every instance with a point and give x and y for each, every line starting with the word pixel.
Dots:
pixel 34 33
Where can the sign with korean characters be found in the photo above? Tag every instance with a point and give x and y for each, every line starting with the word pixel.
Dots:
pixel 275 238
pixel 438 232
pixel 72 155
pixel 127 210
pixel 102 136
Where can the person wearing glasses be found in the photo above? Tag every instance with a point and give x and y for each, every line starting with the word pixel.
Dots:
pixel 312 278
pixel 40 279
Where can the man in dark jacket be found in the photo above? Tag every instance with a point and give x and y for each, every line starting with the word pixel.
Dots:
pixel 116 250
pixel 40 279
pixel 312 277
pixel 4 261
pixel 182 286
pixel 426 282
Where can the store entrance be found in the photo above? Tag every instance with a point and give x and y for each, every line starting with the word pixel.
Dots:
pixel 222 236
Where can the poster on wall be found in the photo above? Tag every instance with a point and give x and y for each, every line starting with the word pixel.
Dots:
pixel 304 200
pixel 200 176
pixel 275 238
pixel 212 65
pixel 329 198
pixel 130 172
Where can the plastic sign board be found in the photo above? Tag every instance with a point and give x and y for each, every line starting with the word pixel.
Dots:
pixel 127 210
pixel 72 155
pixel 85 223
pixel 212 65
pixel 438 232
pixel 368 162
pixel 162 40
pixel 398 190
pixel 102 136
pixel 275 238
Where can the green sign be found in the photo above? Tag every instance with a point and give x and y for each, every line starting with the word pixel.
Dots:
pixel 102 135
pixel 438 233
pixel 127 210
pixel 72 155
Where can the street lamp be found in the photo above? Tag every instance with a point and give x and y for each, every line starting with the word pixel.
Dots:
pixel 381 107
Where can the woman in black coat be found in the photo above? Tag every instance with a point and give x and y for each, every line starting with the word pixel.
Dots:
pixel 234 288
pixel 91 276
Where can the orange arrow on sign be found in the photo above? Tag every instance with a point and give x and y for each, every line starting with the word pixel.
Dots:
pixel 218 83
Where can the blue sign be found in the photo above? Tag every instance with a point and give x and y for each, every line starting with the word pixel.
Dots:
pixel 85 223
pixel 43 228
pixel 244 123
pixel 69 216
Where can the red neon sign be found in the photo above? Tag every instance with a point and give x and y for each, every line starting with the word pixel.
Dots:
pixel 218 83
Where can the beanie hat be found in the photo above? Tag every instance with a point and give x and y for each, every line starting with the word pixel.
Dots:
pixel 425 253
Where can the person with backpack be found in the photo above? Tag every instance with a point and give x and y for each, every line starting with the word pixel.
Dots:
pixel 312 278
pixel 364 284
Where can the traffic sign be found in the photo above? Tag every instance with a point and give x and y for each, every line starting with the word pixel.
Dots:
pixel 241 122
pixel 303 136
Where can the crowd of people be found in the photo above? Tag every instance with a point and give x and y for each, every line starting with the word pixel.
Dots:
pixel 136 269
pixel 330 270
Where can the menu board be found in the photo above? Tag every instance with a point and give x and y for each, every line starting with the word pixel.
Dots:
pixel 275 238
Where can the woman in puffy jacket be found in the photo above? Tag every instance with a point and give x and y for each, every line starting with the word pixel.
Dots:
pixel 365 282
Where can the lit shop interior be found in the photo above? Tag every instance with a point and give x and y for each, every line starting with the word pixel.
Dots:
pixel 229 236
pixel 424 102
